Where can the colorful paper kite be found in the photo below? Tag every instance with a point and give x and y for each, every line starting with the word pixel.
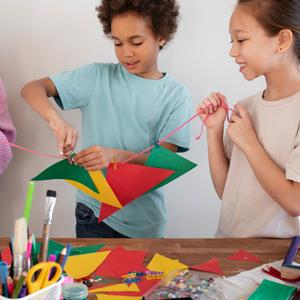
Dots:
pixel 124 182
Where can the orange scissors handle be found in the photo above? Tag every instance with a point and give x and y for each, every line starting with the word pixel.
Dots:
pixel 41 276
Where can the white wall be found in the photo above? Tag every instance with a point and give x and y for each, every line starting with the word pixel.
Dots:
pixel 39 38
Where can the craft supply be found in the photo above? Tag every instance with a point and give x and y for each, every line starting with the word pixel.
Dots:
pixel 49 206
pixel 3 278
pixel 224 105
pixel 61 256
pixel 34 258
pixel 52 257
pixel 74 291
pixel 28 203
pixel 38 276
pixel 32 151
pixel 187 283
pixel 270 290
pixel 28 252
pixel 20 247
pixel 132 277
pixel 66 255
pixel 10 256
pixel 291 269
pixel 23 291
pixel 10 285
pixel 19 285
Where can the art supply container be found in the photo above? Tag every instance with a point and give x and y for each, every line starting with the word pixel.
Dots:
pixel 52 292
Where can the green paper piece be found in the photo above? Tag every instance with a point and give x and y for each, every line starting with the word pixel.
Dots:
pixel 161 157
pixel 55 248
pixel 270 290
pixel 86 249
pixel 64 170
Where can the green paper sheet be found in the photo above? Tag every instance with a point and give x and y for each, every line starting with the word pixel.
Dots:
pixel 270 290
pixel 86 249
pixel 55 248
pixel 161 157
pixel 64 170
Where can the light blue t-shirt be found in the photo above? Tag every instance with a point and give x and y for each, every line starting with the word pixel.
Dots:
pixel 124 111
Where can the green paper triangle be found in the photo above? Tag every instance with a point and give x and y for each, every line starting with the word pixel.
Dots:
pixel 161 157
pixel 55 248
pixel 86 249
pixel 64 170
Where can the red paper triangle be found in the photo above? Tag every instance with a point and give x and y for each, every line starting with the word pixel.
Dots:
pixel 243 255
pixel 119 262
pixel 130 181
pixel 6 256
pixel 277 274
pixel 212 266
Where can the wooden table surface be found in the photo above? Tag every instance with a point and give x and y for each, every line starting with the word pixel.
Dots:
pixel 195 251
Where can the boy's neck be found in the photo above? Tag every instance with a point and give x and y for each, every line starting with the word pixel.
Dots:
pixel 153 75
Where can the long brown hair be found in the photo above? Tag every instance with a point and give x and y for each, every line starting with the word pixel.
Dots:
pixel 276 15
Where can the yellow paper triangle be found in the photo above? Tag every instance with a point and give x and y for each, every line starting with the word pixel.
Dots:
pixel 121 287
pixel 105 195
pixel 160 263
pixel 114 297
pixel 84 188
pixel 105 189
pixel 79 266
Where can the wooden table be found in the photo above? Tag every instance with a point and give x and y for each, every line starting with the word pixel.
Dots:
pixel 195 251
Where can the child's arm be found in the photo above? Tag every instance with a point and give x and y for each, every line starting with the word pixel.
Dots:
pixel 218 163
pixel 7 131
pixel 36 93
pixel 271 177
pixel 98 157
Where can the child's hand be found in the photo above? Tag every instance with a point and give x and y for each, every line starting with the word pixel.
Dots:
pixel 240 129
pixel 212 106
pixel 65 134
pixel 94 158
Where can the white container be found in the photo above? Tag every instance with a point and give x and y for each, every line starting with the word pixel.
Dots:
pixel 52 292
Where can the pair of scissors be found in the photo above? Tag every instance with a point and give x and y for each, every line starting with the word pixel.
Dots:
pixel 42 275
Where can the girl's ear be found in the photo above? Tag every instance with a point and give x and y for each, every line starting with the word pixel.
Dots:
pixel 285 40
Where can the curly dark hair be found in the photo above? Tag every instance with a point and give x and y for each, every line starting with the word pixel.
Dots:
pixel 163 14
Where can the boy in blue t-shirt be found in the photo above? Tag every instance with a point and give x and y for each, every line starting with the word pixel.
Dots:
pixel 126 107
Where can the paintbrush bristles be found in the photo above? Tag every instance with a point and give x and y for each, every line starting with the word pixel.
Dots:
pixel 49 207
pixel 20 236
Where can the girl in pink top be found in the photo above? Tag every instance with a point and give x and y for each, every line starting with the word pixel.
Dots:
pixel 7 131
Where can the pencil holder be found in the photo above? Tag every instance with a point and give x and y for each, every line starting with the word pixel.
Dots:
pixel 52 292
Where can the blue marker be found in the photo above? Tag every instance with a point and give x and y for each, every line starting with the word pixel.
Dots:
pixel 66 255
pixel 3 277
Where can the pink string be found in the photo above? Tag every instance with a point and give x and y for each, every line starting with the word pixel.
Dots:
pixel 32 151
pixel 224 105
pixel 160 141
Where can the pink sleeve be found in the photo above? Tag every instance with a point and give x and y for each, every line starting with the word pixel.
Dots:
pixel 5 153
pixel 7 131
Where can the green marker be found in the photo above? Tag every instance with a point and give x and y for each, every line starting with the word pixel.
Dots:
pixel 30 191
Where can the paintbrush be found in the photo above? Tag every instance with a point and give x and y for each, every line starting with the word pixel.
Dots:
pixel 19 247
pixel 49 206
